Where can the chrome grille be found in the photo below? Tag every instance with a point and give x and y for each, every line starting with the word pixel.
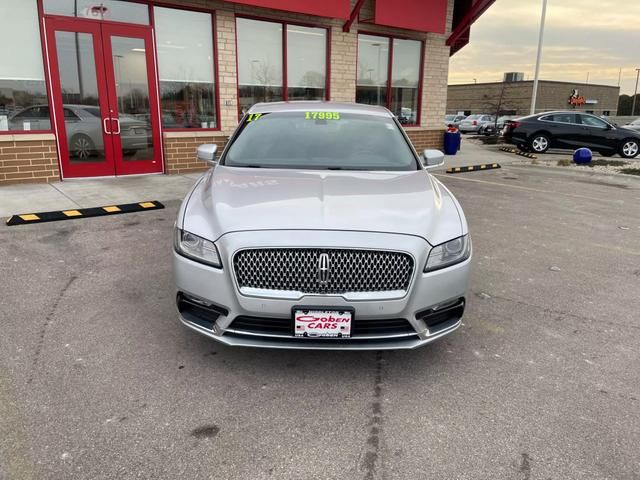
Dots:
pixel 303 270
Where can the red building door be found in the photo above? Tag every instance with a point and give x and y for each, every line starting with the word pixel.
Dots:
pixel 105 102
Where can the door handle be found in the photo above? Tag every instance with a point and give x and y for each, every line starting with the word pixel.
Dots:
pixel 104 124
pixel 117 120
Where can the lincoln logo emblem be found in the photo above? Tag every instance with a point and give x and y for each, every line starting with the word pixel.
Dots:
pixel 323 268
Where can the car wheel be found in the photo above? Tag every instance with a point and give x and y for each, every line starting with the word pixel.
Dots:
pixel 81 146
pixel 480 131
pixel 540 143
pixel 629 148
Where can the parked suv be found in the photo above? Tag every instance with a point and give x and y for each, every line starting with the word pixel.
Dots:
pixel 571 130
pixel 476 123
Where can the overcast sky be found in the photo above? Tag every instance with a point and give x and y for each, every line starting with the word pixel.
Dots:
pixel 581 36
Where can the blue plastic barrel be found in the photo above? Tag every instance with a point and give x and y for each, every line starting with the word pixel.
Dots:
pixel 582 156
pixel 451 143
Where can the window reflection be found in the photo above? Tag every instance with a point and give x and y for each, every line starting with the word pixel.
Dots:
pixel 79 89
pixel 373 60
pixel 132 96
pixel 23 95
pixel 112 10
pixel 259 62
pixel 185 64
pixel 374 75
pixel 405 78
pixel 306 62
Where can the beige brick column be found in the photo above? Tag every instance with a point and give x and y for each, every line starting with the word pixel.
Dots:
pixel 436 76
pixel 344 48
pixel 227 74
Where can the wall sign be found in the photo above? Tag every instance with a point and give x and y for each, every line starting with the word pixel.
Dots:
pixel 576 99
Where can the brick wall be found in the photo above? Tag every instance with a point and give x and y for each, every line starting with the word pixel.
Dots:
pixel 180 151
pixel 423 139
pixel 516 96
pixel 28 159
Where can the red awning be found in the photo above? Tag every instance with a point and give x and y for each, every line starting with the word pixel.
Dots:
pixel 419 15
pixel 323 8
pixel 465 13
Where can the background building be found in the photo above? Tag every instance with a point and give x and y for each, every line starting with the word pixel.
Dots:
pixel 514 98
pixel 111 87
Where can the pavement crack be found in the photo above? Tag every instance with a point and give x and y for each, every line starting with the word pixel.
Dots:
pixel 525 466
pixel 371 460
pixel 43 330
pixel 557 312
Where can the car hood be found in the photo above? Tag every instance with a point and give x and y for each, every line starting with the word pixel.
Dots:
pixel 232 199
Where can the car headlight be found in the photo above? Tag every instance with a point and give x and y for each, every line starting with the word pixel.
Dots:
pixel 448 253
pixel 197 248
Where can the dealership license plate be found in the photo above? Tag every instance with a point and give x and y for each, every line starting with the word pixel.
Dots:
pixel 322 323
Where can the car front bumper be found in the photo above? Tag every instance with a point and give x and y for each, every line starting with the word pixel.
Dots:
pixel 210 303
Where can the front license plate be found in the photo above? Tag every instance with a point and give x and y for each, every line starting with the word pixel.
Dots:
pixel 322 323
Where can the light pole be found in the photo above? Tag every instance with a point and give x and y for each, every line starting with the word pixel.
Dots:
pixel 635 93
pixel 537 74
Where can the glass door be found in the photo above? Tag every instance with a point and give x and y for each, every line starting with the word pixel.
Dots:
pixel 81 105
pixel 130 71
pixel 105 108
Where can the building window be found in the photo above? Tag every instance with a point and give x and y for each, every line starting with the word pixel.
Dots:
pixel 22 86
pixel 398 87
pixel 306 63
pixel 112 10
pixel 186 68
pixel 262 63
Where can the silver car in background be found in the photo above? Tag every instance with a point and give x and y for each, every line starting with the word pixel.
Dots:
pixel 320 228
pixel 453 120
pixel 476 123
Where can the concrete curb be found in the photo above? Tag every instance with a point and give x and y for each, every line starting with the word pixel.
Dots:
pixel 571 171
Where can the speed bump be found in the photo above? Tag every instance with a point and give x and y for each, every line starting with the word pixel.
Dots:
pixel 518 152
pixel 28 218
pixel 474 168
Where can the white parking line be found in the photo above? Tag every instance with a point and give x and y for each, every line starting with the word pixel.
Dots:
pixel 530 189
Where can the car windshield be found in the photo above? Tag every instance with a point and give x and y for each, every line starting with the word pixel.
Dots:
pixel 320 140
pixel 473 117
pixel 449 118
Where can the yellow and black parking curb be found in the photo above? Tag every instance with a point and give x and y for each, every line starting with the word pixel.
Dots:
pixel 474 168
pixel 28 218
pixel 518 152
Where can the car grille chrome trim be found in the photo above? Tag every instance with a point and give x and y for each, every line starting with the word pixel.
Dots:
pixel 280 327
pixel 295 272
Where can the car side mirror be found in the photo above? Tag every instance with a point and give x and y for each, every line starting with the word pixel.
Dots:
pixel 207 153
pixel 432 159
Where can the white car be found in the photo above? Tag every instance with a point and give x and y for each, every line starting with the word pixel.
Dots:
pixel 320 228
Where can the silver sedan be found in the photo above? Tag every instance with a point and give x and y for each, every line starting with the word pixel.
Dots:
pixel 320 228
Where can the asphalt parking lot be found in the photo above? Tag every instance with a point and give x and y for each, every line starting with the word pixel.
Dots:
pixel 98 380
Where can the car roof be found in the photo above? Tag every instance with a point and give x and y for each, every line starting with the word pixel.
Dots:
pixel 320 106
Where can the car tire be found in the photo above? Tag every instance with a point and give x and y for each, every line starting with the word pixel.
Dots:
pixel 629 148
pixel 480 131
pixel 539 143
pixel 81 146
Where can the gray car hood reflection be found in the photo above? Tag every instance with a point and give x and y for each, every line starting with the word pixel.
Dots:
pixel 244 199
